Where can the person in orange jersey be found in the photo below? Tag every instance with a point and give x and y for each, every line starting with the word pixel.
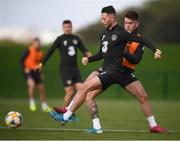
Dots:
pixel 30 58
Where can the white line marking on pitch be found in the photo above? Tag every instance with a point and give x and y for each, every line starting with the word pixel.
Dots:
pixel 83 130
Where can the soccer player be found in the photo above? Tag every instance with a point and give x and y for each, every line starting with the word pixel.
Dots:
pixel 67 44
pixel 29 61
pixel 113 42
pixel 132 56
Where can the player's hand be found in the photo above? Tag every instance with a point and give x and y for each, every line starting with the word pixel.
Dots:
pixel 157 54
pixel 85 60
pixel 26 70
pixel 88 54
pixel 39 67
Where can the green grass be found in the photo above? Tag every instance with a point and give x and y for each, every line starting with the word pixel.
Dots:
pixel 121 115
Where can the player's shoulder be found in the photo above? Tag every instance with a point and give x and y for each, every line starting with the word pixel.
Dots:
pixel 119 29
pixel 103 32
pixel 60 36
pixel 75 36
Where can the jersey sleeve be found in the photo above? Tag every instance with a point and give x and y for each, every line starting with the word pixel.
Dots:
pixel 97 56
pixel 136 57
pixel 125 36
pixel 23 57
pixel 51 50
pixel 81 46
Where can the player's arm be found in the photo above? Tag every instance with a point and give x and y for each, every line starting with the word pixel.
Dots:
pixel 96 57
pixel 22 59
pixel 131 37
pixel 136 57
pixel 49 53
pixel 83 49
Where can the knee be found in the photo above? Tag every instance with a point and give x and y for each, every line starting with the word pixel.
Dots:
pixel 70 91
pixel 143 99
pixel 85 87
pixel 89 98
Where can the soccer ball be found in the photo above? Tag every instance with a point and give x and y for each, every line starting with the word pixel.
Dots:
pixel 13 119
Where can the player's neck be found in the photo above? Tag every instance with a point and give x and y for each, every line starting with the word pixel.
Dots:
pixel 67 33
pixel 113 25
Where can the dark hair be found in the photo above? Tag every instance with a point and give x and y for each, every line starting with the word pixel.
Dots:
pixel 132 15
pixel 36 39
pixel 108 9
pixel 67 22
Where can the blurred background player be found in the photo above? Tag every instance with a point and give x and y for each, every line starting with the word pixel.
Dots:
pixel 29 61
pixel 67 44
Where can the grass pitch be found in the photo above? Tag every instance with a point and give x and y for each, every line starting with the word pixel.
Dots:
pixel 120 119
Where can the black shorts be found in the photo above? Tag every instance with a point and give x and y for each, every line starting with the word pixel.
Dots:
pixel 99 70
pixel 35 75
pixel 70 76
pixel 109 77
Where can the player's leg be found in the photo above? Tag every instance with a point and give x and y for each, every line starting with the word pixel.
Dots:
pixel 137 90
pixel 93 111
pixel 69 92
pixel 78 86
pixel 31 87
pixel 37 76
pixel 92 106
pixel 102 81
pixel 44 105
pixel 67 79
pixel 78 99
pixel 90 85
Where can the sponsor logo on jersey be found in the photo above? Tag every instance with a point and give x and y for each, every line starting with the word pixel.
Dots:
pixel 65 43
pixel 75 42
pixel 114 37
pixel 103 37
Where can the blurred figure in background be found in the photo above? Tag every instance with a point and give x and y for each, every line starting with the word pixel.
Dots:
pixel 67 44
pixel 29 61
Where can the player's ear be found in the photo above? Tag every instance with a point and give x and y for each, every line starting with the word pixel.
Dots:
pixel 113 17
pixel 137 24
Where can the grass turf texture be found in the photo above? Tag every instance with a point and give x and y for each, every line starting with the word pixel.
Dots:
pixel 121 119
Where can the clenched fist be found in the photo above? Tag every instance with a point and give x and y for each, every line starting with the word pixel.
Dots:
pixel 85 60
pixel 157 54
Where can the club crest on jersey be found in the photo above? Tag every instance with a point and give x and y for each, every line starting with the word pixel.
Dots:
pixel 65 43
pixel 114 37
pixel 75 42
pixel 69 82
pixel 133 75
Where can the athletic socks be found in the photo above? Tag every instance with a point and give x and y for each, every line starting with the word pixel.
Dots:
pixel 69 105
pixel 31 101
pixel 67 115
pixel 44 105
pixel 96 124
pixel 152 122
